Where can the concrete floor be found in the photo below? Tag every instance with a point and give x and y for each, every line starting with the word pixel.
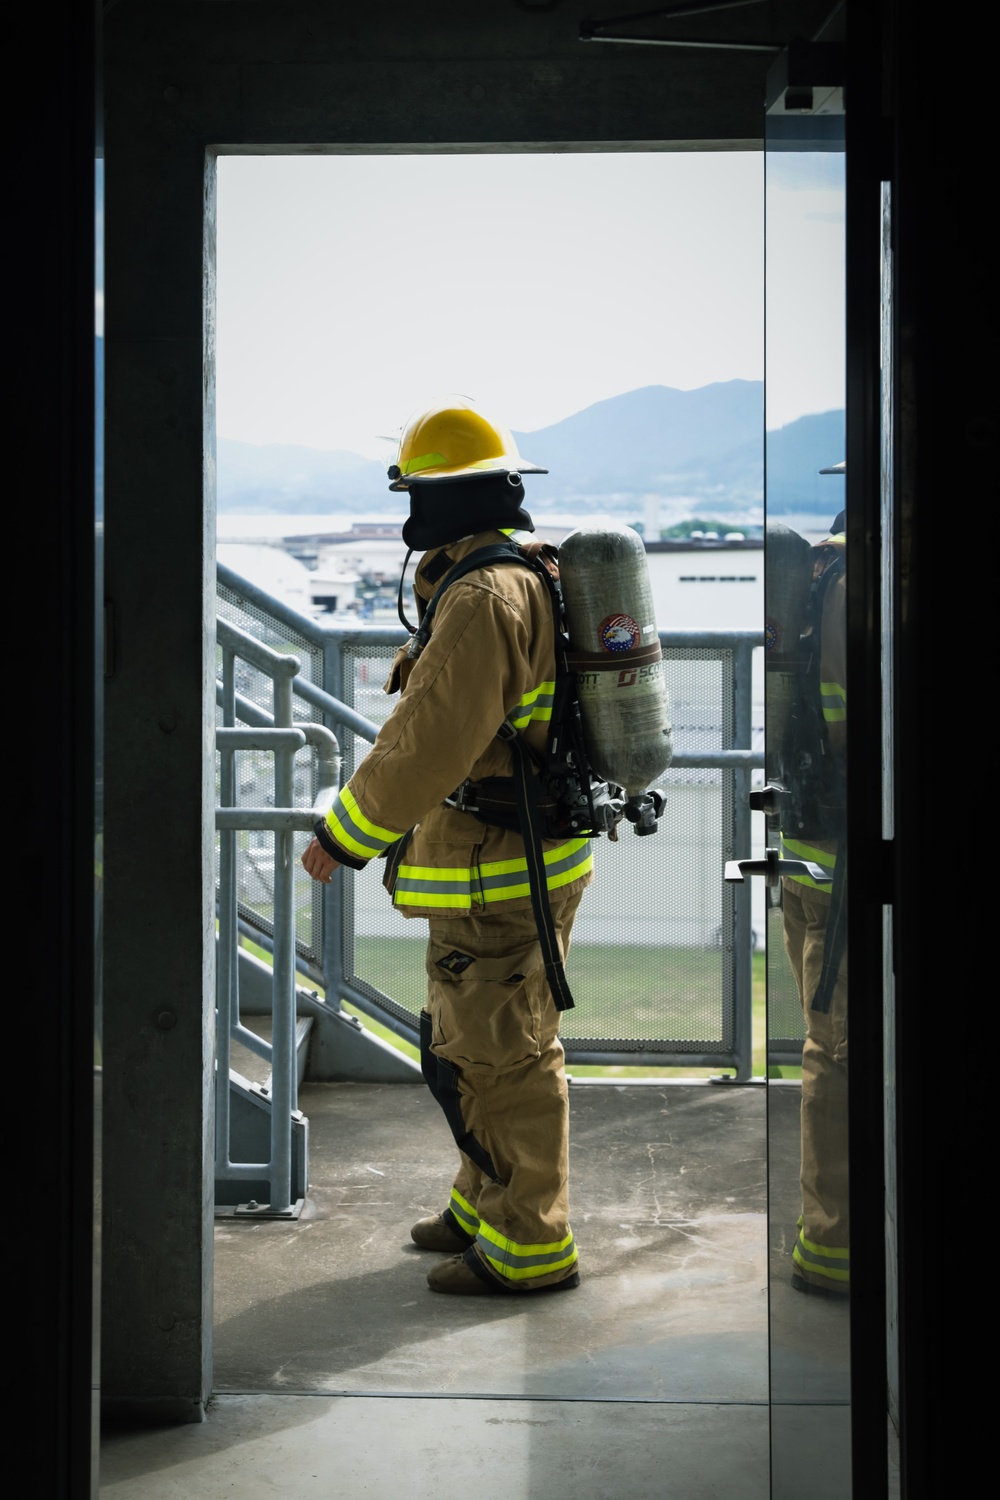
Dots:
pixel 335 1365
pixel 668 1211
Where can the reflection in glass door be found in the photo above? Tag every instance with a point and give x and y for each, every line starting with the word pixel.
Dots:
pixel 805 800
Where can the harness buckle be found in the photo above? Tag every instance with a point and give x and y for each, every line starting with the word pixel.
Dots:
pixel 460 799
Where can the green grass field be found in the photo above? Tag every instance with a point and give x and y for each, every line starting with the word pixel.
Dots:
pixel 672 987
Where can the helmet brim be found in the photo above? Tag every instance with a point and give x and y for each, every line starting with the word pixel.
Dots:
pixel 500 465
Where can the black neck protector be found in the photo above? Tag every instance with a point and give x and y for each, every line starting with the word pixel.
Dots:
pixel 443 510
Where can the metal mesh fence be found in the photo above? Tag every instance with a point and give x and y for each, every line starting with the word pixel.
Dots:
pixel 651 962
pixel 254 780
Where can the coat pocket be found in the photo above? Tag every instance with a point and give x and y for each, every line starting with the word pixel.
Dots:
pixel 437 877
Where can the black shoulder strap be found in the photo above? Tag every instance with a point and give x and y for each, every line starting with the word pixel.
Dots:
pixel 498 552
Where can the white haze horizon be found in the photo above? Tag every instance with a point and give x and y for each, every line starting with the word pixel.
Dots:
pixel 352 290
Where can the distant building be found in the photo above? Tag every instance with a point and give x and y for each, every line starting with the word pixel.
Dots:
pixel 271 568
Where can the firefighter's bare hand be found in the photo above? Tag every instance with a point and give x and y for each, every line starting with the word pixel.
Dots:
pixel 317 863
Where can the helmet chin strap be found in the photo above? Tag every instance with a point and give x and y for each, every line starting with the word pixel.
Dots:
pixel 449 510
pixel 411 629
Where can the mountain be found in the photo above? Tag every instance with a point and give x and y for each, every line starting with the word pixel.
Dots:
pixel 652 439
pixel 795 456
pixel 278 477
pixel 701 447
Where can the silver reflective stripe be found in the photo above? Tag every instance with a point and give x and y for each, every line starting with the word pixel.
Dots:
pixel 354 831
pixel 814 1261
pixel 534 705
pixel 511 877
pixel 498 880
pixel 507 1257
pixel 834 699
pixel 360 842
pixel 435 887
pixel 519 874
pixel 463 1212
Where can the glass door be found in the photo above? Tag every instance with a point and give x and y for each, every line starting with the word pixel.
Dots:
pixel 804 801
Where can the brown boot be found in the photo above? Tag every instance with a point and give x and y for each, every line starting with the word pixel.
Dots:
pixel 435 1234
pixel 454 1275
pixel 466 1276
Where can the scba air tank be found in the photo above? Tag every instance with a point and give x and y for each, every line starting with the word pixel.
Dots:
pixel 615 653
pixel 787 582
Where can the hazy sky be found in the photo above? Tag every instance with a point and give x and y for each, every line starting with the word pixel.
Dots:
pixel 354 289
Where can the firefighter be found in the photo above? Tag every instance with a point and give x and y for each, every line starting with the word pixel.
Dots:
pixel 490 1050
pixel 815 927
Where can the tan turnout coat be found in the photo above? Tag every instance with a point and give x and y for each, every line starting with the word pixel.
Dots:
pixel 490 657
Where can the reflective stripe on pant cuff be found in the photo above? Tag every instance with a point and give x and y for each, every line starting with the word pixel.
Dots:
pixel 464 1218
pixel 830 1262
pixel 513 1262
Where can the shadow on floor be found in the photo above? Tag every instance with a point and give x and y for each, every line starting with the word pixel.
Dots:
pixel 668 1195
pixel 336 1365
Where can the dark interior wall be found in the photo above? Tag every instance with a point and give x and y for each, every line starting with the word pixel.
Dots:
pixel 946 455
pixel 181 76
pixel 52 636
pixel 184 80
pixel 309 75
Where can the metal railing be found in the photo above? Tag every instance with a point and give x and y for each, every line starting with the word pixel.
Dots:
pixel 672 906
pixel 275 735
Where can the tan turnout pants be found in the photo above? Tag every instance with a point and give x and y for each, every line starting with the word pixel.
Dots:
pixel 492 1057
pixel 821 1252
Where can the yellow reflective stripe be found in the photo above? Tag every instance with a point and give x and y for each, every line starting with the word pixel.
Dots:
pixel 354 831
pixel 798 850
pixel 516 1262
pixel 505 880
pixel 806 851
pixel 432 898
pixel 834 1252
pixel 834 702
pixel 814 1270
pixel 541 713
pixel 552 883
pixel 503 1243
pixel 428 885
pixel 565 877
pixel 424 461
pixel 498 880
pixel 521 1273
pixel 351 802
pixel 550 857
pixel 531 708
pixel 829 1261
pixel 463 1211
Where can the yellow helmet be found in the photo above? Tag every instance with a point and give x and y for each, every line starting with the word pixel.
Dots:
pixel 452 439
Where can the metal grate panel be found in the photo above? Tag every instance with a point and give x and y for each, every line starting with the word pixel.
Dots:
pixel 651 962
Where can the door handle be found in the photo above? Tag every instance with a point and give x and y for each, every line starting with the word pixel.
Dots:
pixel 768 799
pixel 772 867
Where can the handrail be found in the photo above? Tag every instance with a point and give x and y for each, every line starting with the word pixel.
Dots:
pixel 274 733
pixel 335 642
